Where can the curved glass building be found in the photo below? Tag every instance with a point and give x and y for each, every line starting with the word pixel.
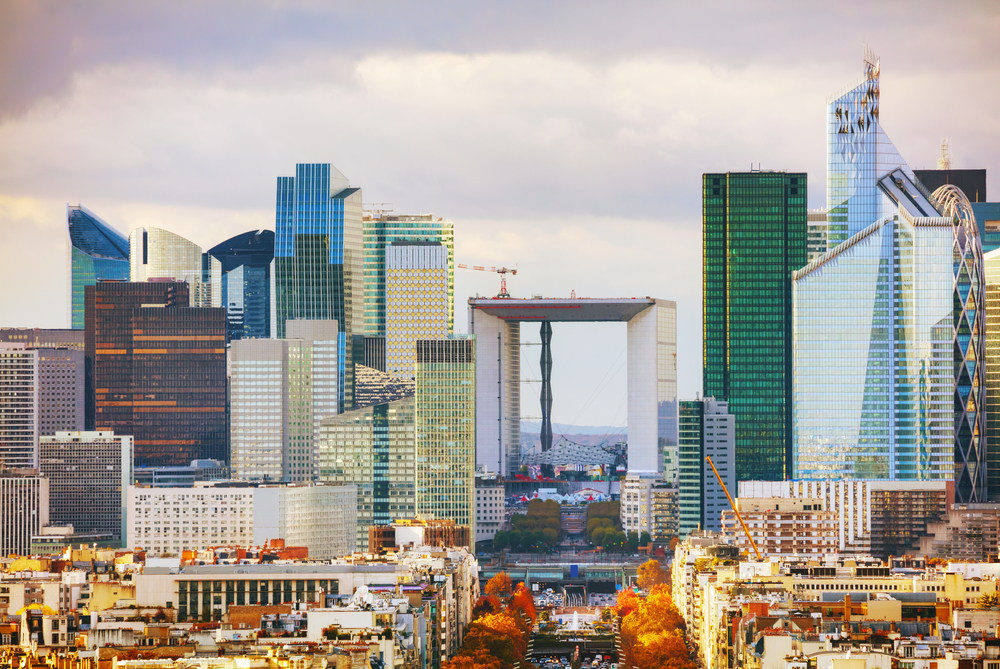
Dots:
pixel 888 347
pixel 247 270
pixel 96 252
pixel 157 254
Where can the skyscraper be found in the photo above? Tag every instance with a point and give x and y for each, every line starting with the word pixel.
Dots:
pixel 281 390
pixel 446 429
pixel 160 255
pixel 156 370
pixel 754 230
pixel 706 429
pixel 416 301
pixel 246 264
pixel 319 259
pixel 888 352
pixel 61 375
pixel 381 232
pixel 96 252
pixel 991 371
pixel 18 406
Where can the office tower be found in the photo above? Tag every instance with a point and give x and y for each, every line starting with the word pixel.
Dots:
pixel 373 387
pixel 44 338
pixel 156 370
pixel 817 235
pixel 61 374
pixel 446 429
pixel 281 391
pixel 24 499
pixel 88 474
pixel 159 255
pixel 381 232
pixel 754 231
pixel 991 367
pixel 180 477
pixel 246 263
pixel 319 259
pixel 170 520
pixel 18 406
pixel 416 300
pixel 373 449
pixel 888 340
pixel 988 218
pixel 707 429
pixel 970 182
pixel 96 252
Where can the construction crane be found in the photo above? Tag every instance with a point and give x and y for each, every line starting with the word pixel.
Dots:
pixel 502 271
pixel 735 510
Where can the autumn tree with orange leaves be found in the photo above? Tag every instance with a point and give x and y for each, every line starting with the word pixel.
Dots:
pixel 652 630
pixel 651 573
pixel 500 585
pixel 502 620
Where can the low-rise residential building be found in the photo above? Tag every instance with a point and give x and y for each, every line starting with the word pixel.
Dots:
pixel 490 506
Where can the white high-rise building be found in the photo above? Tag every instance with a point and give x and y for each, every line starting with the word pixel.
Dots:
pixel 18 406
pixel 24 508
pixel 281 389
pixel 170 520
pixel 160 254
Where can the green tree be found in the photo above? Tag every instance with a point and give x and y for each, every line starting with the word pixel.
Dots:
pixel 989 601
pixel 645 539
pixel 633 541
pixel 501 540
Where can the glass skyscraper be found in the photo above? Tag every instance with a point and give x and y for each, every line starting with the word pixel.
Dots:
pixel 319 259
pixel 246 276
pixel 754 231
pixel 887 322
pixel 96 252
pixel 157 254
pixel 383 231
pixel 991 372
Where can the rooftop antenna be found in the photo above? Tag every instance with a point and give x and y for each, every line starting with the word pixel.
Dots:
pixel 944 161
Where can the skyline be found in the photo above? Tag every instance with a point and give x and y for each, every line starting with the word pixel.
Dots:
pixel 571 144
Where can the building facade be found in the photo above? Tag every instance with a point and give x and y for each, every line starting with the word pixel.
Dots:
pixel 247 275
pixel 88 474
pixel 281 390
pixel 156 370
pixel 381 232
pixel 19 402
pixel 319 258
pixel 61 385
pixel 754 236
pixel 156 254
pixel 96 252
pixel 24 498
pixel 707 429
pixel 991 365
pixel 491 507
pixel 887 340
pixel 416 300
pixel 375 450
pixel 171 520
pixel 446 429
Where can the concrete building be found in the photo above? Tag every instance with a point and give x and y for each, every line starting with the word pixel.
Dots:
pixel 180 477
pixel 44 337
pixel 707 429
pixel 666 513
pixel 24 499
pixel 88 473
pixel 652 374
pixel 491 506
pixel 783 526
pixel 374 449
pixel 166 521
pixel 19 406
pixel 280 392
pixel 61 385
pixel 879 517
pixel 637 502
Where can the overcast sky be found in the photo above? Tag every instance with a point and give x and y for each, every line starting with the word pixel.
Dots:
pixel 566 138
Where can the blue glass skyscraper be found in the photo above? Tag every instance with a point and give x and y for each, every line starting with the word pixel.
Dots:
pixel 96 252
pixel 319 258
pixel 887 324
pixel 247 263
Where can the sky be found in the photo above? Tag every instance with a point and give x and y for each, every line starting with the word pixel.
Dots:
pixel 567 139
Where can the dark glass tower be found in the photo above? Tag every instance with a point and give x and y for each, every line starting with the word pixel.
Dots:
pixel 246 261
pixel 754 237
pixel 319 258
pixel 96 252
pixel 156 369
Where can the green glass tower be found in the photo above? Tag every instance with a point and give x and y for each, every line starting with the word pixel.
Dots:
pixel 754 237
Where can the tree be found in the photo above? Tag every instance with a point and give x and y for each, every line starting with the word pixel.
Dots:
pixel 500 585
pixel 485 605
pixel 522 601
pixel 478 659
pixel 645 539
pixel 989 601
pixel 633 541
pixel 651 573
pixel 627 602
pixel 662 649
pixel 597 536
pixel 514 539
pixel 500 540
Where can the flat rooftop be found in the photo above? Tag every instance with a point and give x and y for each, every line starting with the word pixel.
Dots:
pixel 583 310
